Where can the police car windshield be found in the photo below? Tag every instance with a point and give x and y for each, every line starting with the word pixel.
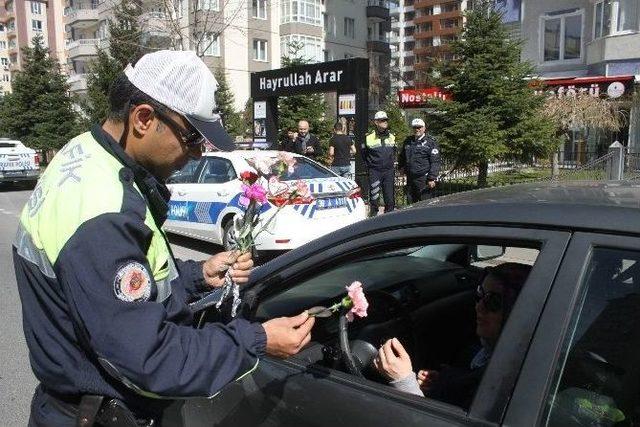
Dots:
pixel 305 169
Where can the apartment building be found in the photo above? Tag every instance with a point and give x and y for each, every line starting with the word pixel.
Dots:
pixel 421 32
pixel 590 46
pixel 243 36
pixel 20 21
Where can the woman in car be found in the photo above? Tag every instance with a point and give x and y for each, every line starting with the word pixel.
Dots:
pixel 495 297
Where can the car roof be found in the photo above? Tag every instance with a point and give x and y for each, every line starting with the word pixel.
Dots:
pixel 246 154
pixel 612 206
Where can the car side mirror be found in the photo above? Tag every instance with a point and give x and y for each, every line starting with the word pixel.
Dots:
pixel 486 252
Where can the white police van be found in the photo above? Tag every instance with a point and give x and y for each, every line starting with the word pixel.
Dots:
pixel 18 162
pixel 205 198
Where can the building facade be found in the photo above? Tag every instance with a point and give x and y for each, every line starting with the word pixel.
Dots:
pixel 422 32
pixel 591 46
pixel 20 22
pixel 241 37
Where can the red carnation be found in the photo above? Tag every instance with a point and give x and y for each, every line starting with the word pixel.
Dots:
pixel 249 177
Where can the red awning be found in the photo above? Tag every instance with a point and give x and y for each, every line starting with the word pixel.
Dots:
pixel 586 80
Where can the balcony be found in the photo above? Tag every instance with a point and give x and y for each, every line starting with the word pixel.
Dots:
pixel 378 44
pixel 77 83
pixel 14 66
pixel 81 17
pixel 378 10
pixel 420 4
pixel 82 47
pixel 13 49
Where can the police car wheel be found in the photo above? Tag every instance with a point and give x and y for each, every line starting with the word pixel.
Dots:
pixel 228 236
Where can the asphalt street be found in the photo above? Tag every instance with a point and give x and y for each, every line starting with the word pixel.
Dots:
pixel 16 379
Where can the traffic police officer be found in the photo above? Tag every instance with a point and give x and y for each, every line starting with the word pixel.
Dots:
pixel 379 157
pixel 419 159
pixel 104 301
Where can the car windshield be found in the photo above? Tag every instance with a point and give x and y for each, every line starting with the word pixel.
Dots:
pixel 305 169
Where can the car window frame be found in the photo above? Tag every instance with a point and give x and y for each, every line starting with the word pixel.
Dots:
pixel 203 166
pixel 196 173
pixel 495 388
pixel 528 405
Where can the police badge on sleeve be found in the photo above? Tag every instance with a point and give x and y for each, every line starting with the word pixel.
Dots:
pixel 132 283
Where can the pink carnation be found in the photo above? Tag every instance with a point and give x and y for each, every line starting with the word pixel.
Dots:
pixel 255 192
pixel 302 189
pixel 358 300
pixel 287 159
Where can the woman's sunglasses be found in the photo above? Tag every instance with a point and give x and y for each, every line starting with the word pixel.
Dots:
pixel 492 301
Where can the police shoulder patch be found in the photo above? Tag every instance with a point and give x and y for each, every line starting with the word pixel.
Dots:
pixel 434 151
pixel 132 283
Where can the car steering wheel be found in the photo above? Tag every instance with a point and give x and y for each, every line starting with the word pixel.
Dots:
pixel 359 354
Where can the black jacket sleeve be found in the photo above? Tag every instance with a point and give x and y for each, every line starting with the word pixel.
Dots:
pixel 148 345
pixel 435 161
pixel 192 278
pixel 317 147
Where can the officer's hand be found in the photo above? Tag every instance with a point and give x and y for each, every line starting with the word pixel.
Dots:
pixel 215 268
pixel 287 335
pixel 310 150
pixel 431 184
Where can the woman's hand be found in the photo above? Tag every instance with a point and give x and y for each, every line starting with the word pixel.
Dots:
pixel 393 361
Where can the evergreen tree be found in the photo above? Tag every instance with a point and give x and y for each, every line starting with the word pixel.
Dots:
pixel 125 46
pixel 292 109
pixel 39 112
pixel 494 113
pixel 233 121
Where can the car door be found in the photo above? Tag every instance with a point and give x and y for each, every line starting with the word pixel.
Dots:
pixel 181 184
pixel 302 391
pixel 582 368
pixel 217 186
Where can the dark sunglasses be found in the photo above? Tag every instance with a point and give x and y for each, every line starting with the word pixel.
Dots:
pixel 190 138
pixel 418 127
pixel 492 301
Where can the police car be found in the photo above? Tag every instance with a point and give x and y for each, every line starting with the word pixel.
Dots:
pixel 17 162
pixel 205 198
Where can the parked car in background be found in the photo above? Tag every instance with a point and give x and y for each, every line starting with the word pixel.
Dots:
pixel 567 354
pixel 205 198
pixel 18 162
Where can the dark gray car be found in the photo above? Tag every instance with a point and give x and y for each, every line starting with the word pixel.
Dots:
pixel 568 354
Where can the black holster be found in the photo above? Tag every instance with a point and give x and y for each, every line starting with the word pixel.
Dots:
pixel 99 412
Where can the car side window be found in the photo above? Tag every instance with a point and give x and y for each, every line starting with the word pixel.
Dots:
pixel 217 171
pixel 598 381
pixel 412 292
pixel 186 175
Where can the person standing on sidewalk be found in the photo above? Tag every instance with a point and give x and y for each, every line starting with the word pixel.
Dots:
pixel 306 143
pixel 420 160
pixel 379 157
pixel 341 147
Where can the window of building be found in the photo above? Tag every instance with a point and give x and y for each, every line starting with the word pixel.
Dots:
pixel 449 7
pixel 9 6
pixel 3 45
pixel 2 28
pixel 11 26
pixel 562 36
pixel 597 379
pixel 259 8
pixel 178 7
pixel 305 11
pixel 328 55
pixel 210 45
pixel 36 8
pixel 350 28
pixel 311 47
pixel 4 62
pixel 6 78
pixel 329 25
pixel 36 25
pixel 260 50
pixel 614 16
pixel 208 5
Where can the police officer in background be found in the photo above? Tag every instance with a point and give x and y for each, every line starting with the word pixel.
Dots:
pixel 379 156
pixel 104 301
pixel 419 159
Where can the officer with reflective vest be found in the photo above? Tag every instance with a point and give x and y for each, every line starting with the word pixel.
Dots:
pixel 419 159
pixel 104 301
pixel 379 156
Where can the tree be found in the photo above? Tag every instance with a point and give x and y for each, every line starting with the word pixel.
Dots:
pixel 233 121
pixel 580 111
pixel 125 46
pixel 495 112
pixel 312 108
pixel 39 112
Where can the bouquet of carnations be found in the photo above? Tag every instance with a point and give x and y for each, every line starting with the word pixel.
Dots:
pixel 258 189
